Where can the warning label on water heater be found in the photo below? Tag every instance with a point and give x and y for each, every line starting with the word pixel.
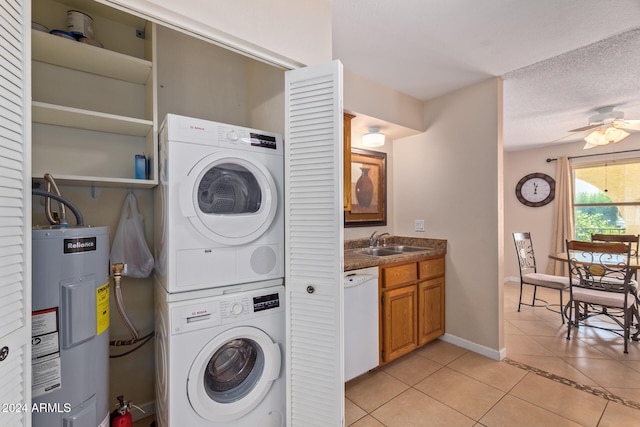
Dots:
pixel 46 369
pixel 102 308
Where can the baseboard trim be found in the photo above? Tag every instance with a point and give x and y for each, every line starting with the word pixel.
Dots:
pixel 475 347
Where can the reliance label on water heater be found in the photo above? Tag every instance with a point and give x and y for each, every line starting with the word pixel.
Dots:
pixel 82 244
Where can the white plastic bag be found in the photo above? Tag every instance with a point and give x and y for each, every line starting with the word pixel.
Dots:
pixel 129 246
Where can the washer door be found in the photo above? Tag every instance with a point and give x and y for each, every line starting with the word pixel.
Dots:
pixel 230 200
pixel 233 373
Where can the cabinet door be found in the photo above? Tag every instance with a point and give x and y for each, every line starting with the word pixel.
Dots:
pixel 315 241
pixel 399 327
pixel 347 160
pixel 430 310
pixel 15 215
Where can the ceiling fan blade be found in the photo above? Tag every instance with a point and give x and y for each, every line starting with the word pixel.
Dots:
pixel 627 124
pixel 561 138
pixel 588 127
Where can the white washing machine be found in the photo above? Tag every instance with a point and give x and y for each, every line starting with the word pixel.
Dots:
pixel 220 358
pixel 219 207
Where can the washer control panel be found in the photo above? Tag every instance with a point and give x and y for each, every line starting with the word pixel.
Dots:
pixel 215 311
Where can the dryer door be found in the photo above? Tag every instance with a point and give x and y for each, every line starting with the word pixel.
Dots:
pixel 230 200
pixel 233 373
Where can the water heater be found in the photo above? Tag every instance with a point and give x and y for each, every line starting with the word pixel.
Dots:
pixel 70 326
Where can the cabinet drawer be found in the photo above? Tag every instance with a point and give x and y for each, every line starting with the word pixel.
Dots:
pixel 431 268
pixel 392 276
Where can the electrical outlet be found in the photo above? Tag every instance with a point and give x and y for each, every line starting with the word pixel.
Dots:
pixel 418 225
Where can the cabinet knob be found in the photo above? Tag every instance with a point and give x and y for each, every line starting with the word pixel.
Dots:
pixel 4 352
pixel 310 289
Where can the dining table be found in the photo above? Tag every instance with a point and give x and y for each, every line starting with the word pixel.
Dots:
pixel 634 261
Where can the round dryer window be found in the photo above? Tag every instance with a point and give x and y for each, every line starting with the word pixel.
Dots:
pixel 233 373
pixel 228 188
pixel 233 200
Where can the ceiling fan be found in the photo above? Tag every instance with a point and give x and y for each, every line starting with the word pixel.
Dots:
pixel 608 126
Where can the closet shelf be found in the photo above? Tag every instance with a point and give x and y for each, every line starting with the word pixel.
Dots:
pixel 90 120
pixel 67 53
pixel 101 181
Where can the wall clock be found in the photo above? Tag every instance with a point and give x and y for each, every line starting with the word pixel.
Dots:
pixel 536 189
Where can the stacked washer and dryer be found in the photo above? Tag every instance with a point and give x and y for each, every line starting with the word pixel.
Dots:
pixel 219 236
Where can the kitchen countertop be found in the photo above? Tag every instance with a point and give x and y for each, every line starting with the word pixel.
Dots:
pixel 354 260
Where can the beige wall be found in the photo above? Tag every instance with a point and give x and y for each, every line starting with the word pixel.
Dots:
pixel 538 221
pixel 375 100
pixel 451 176
pixel 200 79
pixel 288 32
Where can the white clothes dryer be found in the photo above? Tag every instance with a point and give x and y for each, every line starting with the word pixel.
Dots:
pixel 220 358
pixel 219 205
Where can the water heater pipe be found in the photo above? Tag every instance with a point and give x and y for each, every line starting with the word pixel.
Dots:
pixel 71 206
pixel 49 184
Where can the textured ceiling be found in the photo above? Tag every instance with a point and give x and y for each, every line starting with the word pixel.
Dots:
pixel 560 59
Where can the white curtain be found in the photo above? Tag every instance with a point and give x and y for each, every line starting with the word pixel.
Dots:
pixel 562 215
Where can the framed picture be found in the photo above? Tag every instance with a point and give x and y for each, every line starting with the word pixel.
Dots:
pixel 368 189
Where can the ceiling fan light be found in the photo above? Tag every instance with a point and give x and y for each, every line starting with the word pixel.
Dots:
pixel 605 136
pixel 597 137
pixel 374 138
pixel 614 134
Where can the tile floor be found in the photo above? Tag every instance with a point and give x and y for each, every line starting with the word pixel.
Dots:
pixel 546 381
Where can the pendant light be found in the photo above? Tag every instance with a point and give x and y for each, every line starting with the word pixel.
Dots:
pixel 374 138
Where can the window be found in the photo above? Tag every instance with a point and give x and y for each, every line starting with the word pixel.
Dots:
pixel 607 198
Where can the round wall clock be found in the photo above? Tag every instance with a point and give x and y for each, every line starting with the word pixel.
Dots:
pixel 536 189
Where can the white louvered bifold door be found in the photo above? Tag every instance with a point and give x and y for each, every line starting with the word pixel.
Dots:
pixel 314 245
pixel 15 213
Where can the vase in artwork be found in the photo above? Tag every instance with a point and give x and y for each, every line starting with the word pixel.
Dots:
pixel 364 189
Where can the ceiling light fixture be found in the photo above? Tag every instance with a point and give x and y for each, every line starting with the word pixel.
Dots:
pixel 374 138
pixel 604 136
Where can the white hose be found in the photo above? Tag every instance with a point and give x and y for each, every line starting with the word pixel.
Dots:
pixel 121 310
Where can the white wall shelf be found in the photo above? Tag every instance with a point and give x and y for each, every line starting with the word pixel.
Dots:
pixel 90 120
pixel 67 53
pixel 100 181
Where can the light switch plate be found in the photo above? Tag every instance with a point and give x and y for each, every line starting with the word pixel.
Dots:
pixel 418 225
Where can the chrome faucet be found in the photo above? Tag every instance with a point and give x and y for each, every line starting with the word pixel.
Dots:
pixel 383 240
pixel 374 239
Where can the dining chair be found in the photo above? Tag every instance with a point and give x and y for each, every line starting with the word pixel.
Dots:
pixel 634 243
pixel 530 276
pixel 600 276
pixel 630 239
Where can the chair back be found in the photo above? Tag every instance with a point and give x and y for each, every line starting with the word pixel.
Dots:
pixel 630 239
pixel 524 252
pixel 599 266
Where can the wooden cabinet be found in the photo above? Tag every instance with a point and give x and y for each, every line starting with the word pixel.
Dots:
pixel 400 331
pixel 347 160
pixel 93 108
pixel 411 305
pixel 430 300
